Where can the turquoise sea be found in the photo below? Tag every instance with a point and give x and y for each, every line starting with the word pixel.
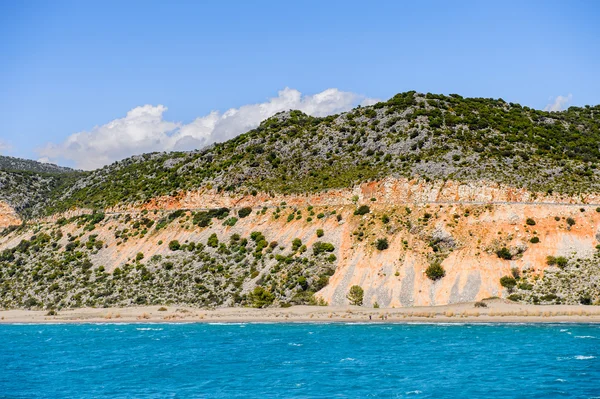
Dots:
pixel 300 361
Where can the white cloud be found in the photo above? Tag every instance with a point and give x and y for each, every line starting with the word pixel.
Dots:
pixel 559 103
pixel 144 129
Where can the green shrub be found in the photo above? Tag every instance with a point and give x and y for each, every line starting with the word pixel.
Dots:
pixel 382 244
pixel 514 297
pixel 385 219
pixel 504 253
pixel 320 232
pixel 362 210
pixel 534 240
pixel 480 304
pixel 530 222
pixel 230 221
pixel 356 295
pixel 320 247
pixel 296 243
pixel 174 245
pixel 561 262
pixel 139 257
pixel 525 286
pixel 570 221
pixel 242 213
pixel 435 271
pixel 585 299
pixel 213 241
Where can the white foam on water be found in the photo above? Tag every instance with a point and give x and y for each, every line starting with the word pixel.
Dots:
pixel 585 336
pixel 149 329
pixel 417 392
pixel 294 344
pixel 348 359
pixel 581 357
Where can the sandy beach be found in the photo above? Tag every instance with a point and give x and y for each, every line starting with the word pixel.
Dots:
pixel 497 311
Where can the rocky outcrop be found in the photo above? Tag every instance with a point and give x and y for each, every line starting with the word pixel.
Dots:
pixel 8 216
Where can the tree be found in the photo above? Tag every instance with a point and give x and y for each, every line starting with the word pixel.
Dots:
pixel 508 282
pixel 261 297
pixel 174 245
pixel 356 295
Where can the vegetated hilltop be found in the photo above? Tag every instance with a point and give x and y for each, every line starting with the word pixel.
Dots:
pixel 27 186
pixel 19 164
pixel 434 137
pixel 420 200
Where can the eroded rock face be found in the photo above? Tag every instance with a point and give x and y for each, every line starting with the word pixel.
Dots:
pixel 457 223
pixel 8 216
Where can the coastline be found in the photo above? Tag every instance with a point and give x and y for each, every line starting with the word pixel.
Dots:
pixel 497 311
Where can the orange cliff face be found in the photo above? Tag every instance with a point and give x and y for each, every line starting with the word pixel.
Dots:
pixel 460 225
pixel 8 216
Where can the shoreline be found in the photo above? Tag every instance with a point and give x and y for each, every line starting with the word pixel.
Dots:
pixel 497 311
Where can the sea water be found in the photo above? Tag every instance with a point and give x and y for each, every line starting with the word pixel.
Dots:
pixel 300 360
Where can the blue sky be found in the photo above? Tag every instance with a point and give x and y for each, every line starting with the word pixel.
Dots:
pixel 71 67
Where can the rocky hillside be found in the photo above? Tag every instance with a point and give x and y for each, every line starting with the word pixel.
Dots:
pixel 26 187
pixel 412 135
pixel 423 199
pixel 19 164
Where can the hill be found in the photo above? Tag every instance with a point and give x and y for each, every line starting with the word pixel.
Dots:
pixel 421 200
pixel 19 164
pixel 28 185
pixel 430 136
